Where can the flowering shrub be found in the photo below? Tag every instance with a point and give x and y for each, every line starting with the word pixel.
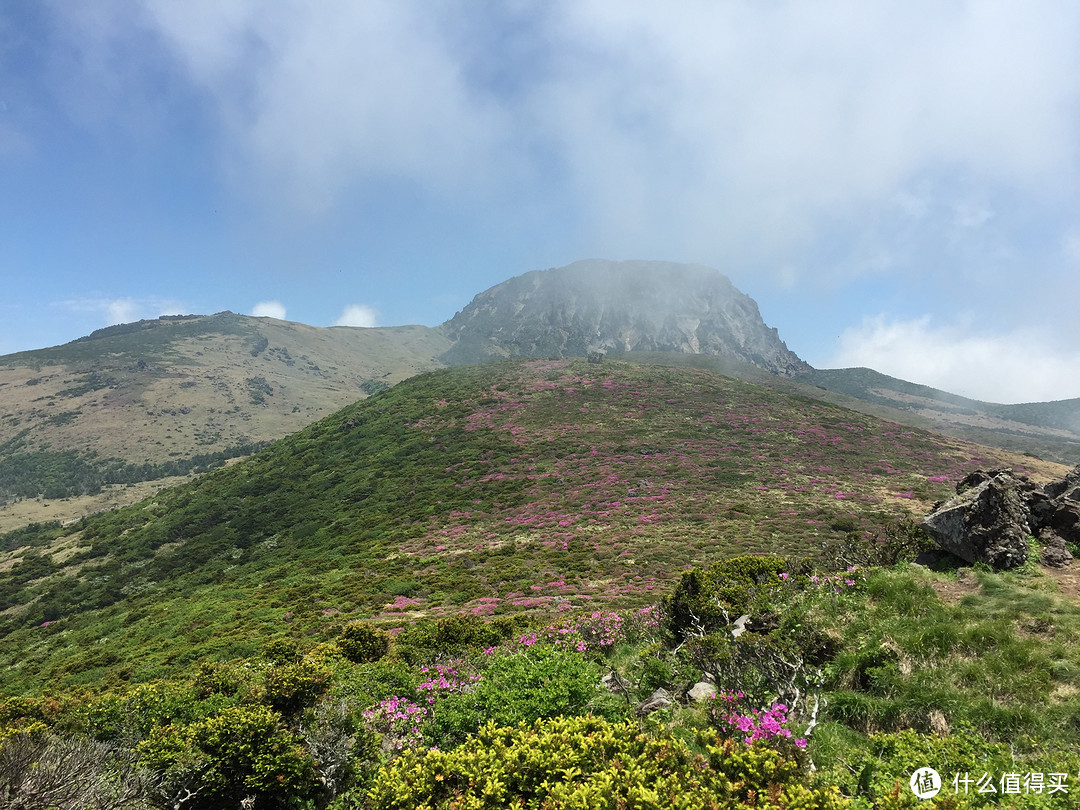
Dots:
pixel 443 679
pixel 765 725
pixel 768 725
pixel 398 721
pixel 599 631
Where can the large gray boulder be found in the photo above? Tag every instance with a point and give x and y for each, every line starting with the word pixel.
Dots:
pixel 987 522
pixel 701 691
pixel 995 514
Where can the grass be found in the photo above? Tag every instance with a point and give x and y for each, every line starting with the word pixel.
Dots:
pixel 1003 661
pixel 988 684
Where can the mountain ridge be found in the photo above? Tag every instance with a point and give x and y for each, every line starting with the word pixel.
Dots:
pixel 86 424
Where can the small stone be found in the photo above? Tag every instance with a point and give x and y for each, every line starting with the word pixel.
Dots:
pixel 701 691
pixel 660 699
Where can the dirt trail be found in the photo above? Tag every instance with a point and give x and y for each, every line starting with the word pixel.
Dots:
pixel 953 590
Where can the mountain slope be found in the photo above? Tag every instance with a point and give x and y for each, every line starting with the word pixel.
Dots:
pixel 154 398
pixel 599 305
pixel 520 486
pixel 1049 430
pixel 81 425
pixel 83 422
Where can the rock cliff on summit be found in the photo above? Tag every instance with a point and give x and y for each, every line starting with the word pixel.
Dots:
pixel 607 306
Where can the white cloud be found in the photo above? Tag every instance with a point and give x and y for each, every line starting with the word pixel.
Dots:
pixel 1023 365
pixel 739 134
pixel 357 315
pixel 738 124
pixel 269 309
pixel 122 310
pixel 1070 248
pixel 126 309
pixel 318 96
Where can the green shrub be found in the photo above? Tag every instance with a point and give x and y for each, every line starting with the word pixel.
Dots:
pixel 292 687
pixel 366 684
pixel 134 714
pixel 452 634
pixel 709 598
pixel 215 678
pixel 240 752
pixel 524 687
pixel 281 651
pixel 363 643
pixel 587 762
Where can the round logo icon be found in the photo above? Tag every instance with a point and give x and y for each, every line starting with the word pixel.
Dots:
pixel 925 783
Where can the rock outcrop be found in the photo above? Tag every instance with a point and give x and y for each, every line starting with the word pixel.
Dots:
pixel 996 514
pixel 596 306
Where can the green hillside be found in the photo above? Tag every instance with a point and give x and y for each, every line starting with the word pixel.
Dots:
pixel 484 544
pixel 1049 430
pixel 81 423
pixel 524 486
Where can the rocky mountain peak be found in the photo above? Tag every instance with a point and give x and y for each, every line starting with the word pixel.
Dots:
pixel 610 306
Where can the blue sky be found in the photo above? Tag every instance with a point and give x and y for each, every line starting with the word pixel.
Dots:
pixel 895 183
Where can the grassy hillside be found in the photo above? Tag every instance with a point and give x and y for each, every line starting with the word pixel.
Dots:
pixel 143 401
pixel 333 622
pixel 1049 430
pixel 523 486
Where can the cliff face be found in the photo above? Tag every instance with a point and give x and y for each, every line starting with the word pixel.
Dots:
pixel 609 306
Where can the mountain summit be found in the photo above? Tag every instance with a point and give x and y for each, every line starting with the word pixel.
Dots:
pixel 609 306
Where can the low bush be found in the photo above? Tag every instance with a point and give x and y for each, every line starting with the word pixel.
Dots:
pixel 589 762
pixel 541 682
pixel 242 752
pixel 363 643
pixel 453 634
pixel 706 599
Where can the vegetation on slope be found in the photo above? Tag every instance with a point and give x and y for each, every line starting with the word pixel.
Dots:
pixel 1049 430
pixel 158 398
pixel 841 687
pixel 524 486
pixel 506 536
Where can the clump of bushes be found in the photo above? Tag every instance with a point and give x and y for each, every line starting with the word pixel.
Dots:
pixel 590 762
pixel 541 682
pixel 363 643
pixel 238 753
pixel 896 542
pixel 450 635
